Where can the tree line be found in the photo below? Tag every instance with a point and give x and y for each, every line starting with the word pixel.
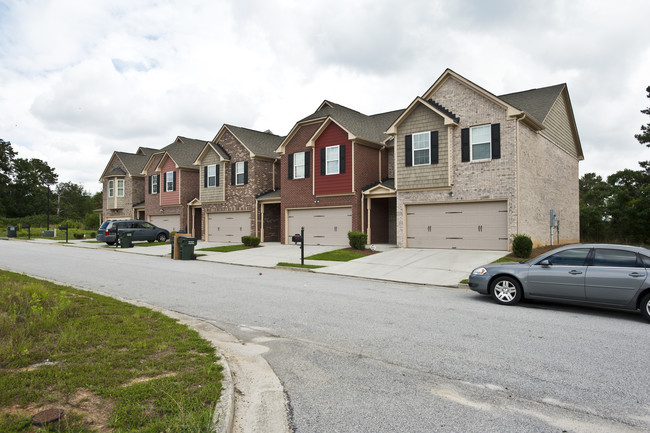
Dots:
pixel 29 190
pixel 618 209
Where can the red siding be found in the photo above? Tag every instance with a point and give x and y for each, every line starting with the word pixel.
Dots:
pixel 334 183
pixel 169 197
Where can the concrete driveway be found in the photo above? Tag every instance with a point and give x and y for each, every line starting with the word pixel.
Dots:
pixel 421 266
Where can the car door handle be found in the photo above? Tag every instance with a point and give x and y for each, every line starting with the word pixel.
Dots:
pixel 574 272
pixel 636 275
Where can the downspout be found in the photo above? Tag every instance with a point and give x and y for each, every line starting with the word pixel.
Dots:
pixel 518 167
pixel 256 219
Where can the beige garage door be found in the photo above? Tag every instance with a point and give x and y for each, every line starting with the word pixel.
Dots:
pixel 229 226
pixel 466 226
pixel 328 226
pixel 169 222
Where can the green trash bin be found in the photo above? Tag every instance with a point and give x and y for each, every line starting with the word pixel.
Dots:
pixel 126 239
pixel 186 247
pixel 171 239
pixel 11 232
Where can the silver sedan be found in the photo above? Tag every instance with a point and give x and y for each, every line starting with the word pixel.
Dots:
pixel 589 274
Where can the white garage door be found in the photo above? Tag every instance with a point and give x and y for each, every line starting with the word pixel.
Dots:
pixel 322 226
pixel 466 226
pixel 169 222
pixel 228 226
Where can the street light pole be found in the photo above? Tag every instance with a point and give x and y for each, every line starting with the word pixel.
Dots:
pixel 48 207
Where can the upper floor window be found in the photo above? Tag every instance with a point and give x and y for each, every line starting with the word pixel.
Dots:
pixel 239 170
pixel 111 188
pixel 422 148
pixel 332 154
pixel 299 165
pixel 212 175
pixel 154 183
pixel 480 142
pixel 120 187
pixel 169 181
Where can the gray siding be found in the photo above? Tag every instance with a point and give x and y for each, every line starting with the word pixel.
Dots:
pixel 213 194
pixel 558 126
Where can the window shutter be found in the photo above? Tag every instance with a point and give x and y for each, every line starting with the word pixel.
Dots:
pixel 496 141
pixel 434 147
pixel 342 158
pixel 174 188
pixel 245 172
pixel 233 175
pixel 322 161
pixel 408 150
pixel 164 184
pixel 217 175
pixel 150 191
pixel 158 181
pixel 464 144
pixel 307 164
pixel 205 176
pixel 290 170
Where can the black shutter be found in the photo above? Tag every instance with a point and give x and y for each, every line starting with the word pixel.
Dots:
pixel 216 171
pixel 164 182
pixel 174 188
pixel 245 172
pixel 342 158
pixel 464 144
pixel 290 170
pixel 150 185
pixel 307 164
pixel 434 147
pixel 408 150
pixel 158 182
pixel 205 176
pixel 496 141
pixel 233 169
pixel 322 161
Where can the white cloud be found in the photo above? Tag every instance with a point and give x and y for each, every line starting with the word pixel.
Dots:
pixel 80 80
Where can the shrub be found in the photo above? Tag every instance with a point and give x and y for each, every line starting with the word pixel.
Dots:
pixel 78 235
pixel 358 240
pixel 91 234
pixel 250 241
pixel 522 246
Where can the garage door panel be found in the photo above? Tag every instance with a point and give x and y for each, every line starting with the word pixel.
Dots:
pixel 228 226
pixel 170 222
pixel 458 225
pixel 322 226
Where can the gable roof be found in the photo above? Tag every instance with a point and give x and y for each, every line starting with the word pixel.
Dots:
pixel 536 102
pixel 131 164
pixel 257 143
pixel 183 151
pixel 449 117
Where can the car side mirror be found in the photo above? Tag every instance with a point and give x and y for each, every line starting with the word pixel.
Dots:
pixel 545 263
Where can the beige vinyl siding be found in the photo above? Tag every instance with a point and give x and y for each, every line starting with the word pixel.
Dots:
pixel 214 194
pixel 558 126
pixel 422 119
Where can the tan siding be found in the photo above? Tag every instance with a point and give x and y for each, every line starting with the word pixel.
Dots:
pixel 214 194
pixel 425 176
pixel 558 126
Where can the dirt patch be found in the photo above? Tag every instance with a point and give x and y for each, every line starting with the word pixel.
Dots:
pixel 147 379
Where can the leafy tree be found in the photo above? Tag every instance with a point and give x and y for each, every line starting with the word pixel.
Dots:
pixel 629 205
pixel 28 193
pixel 72 202
pixel 7 155
pixel 594 217
pixel 644 137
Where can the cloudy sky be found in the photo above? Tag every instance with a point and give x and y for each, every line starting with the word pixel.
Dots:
pixel 81 79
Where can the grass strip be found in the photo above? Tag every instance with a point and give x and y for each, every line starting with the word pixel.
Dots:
pixel 226 248
pixel 298 265
pixel 109 365
pixel 337 256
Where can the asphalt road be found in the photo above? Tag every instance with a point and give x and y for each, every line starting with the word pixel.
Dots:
pixel 366 356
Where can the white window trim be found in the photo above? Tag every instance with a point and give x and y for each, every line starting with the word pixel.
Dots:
pixel 471 144
pixel 428 148
pixel 239 169
pixel 296 166
pixel 120 185
pixel 154 184
pixel 212 176
pixel 111 188
pixel 337 159
pixel 169 179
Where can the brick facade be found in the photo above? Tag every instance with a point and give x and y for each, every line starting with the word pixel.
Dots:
pixel 121 207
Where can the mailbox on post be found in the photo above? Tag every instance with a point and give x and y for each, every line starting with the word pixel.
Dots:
pixel 296 238
pixel 65 227
pixel 29 230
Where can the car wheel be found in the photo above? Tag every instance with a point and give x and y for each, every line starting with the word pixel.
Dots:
pixel 506 290
pixel 162 237
pixel 645 307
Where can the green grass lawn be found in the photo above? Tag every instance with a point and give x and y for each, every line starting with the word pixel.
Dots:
pixel 337 256
pixel 109 365
pixel 298 265
pixel 225 248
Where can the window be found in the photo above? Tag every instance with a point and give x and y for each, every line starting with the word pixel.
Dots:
pixel 239 170
pixel 615 258
pixel 154 184
pixel 422 148
pixel 574 257
pixel 212 175
pixel 480 142
pixel 169 181
pixel 332 160
pixel 120 187
pixel 111 188
pixel 299 165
